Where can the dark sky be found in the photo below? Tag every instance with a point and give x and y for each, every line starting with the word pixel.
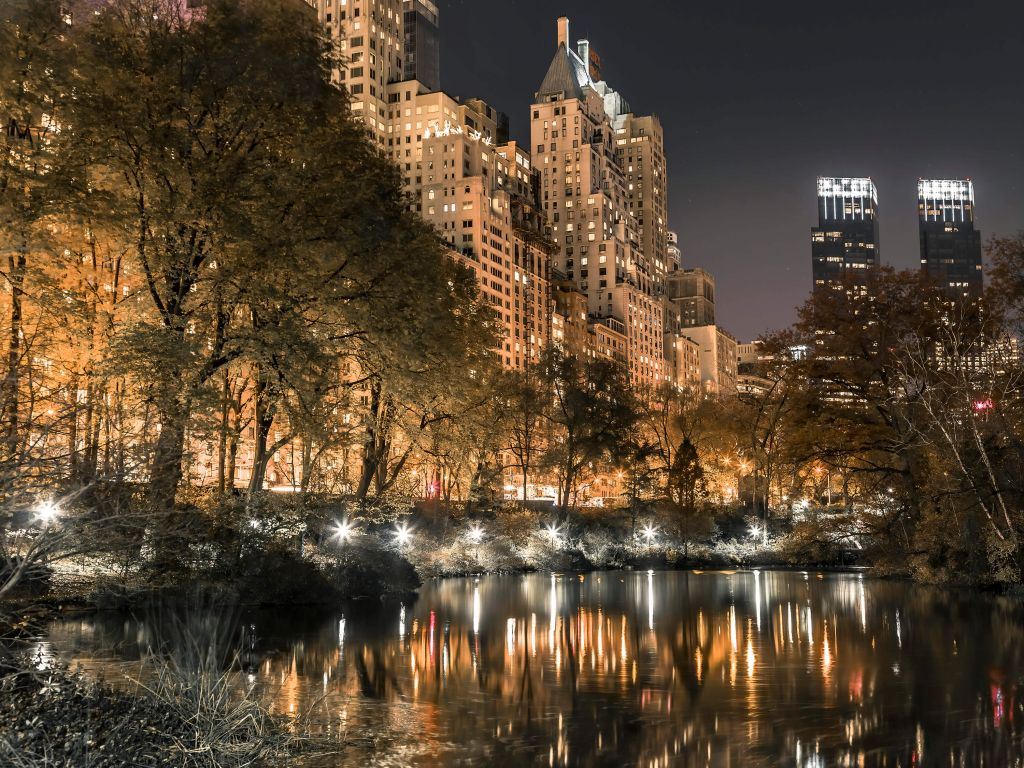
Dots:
pixel 759 98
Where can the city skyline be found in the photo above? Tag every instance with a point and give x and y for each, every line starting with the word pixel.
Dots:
pixel 887 122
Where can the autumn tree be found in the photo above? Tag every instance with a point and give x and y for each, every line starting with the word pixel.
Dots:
pixel 523 400
pixel 592 410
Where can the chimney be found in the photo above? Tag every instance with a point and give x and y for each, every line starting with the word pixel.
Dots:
pixel 563 31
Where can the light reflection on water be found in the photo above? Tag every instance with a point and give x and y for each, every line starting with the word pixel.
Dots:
pixel 647 669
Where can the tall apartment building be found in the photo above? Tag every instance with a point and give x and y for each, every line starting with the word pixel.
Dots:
pixel 690 295
pixel 585 140
pixel 370 35
pixel 844 245
pixel 483 201
pixel 422 43
pixel 574 334
pixel 950 243
pixel 640 146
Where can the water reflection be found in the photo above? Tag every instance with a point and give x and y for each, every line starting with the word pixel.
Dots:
pixel 646 669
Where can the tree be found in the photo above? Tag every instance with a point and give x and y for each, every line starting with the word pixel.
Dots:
pixel 184 122
pixel 688 490
pixel 523 402
pixel 425 361
pixel 592 411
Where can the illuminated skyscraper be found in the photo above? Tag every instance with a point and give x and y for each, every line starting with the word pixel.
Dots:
pixel 950 244
pixel 602 180
pixel 844 245
pixel 369 35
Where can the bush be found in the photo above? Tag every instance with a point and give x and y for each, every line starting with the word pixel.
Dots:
pixel 366 570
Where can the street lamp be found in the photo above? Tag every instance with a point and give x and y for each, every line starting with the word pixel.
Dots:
pixel 553 533
pixel 649 533
pixel 476 535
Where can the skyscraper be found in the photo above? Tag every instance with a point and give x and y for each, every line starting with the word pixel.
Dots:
pixel 844 245
pixel 603 194
pixel 422 43
pixel 950 244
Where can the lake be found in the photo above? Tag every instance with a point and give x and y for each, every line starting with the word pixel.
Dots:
pixel 731 669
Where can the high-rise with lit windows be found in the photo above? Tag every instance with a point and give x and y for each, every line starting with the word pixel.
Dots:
pixel 602 174
pixel 844 245
pixel 371 39
pixel 950 243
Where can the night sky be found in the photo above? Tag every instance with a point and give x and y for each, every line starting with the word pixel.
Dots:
pixel 759 98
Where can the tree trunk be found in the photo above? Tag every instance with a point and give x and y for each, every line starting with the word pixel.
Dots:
pixel 307 463
pixel 12 384
pixel 371 450
pixel 166 472
pixel 222 438
pixel 262 422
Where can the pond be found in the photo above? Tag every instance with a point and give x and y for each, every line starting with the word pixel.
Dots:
pixel 659 669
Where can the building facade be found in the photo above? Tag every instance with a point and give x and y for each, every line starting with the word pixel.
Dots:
pixel 950 242
pixel 370 36
pixel 844 245
pixel 718 354
pixel 482 199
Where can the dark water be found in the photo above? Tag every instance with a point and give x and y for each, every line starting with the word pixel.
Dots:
pixel 664 669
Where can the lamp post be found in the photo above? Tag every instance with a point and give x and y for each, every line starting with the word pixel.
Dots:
pixel 649 533
pixel 553 534
pixel 476 535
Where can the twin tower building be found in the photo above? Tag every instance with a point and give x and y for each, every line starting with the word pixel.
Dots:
pixel 567 235
pixel 845 248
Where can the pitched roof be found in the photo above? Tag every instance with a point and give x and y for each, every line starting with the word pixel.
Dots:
pixel 567 74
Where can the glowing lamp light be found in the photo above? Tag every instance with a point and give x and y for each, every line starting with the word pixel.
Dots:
pixel 475 534
pixel 983 406
pixel 649 532
pixel 553 532
pixel 343 531
pixel 47 512
pixel 402 534
pixel 755 531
